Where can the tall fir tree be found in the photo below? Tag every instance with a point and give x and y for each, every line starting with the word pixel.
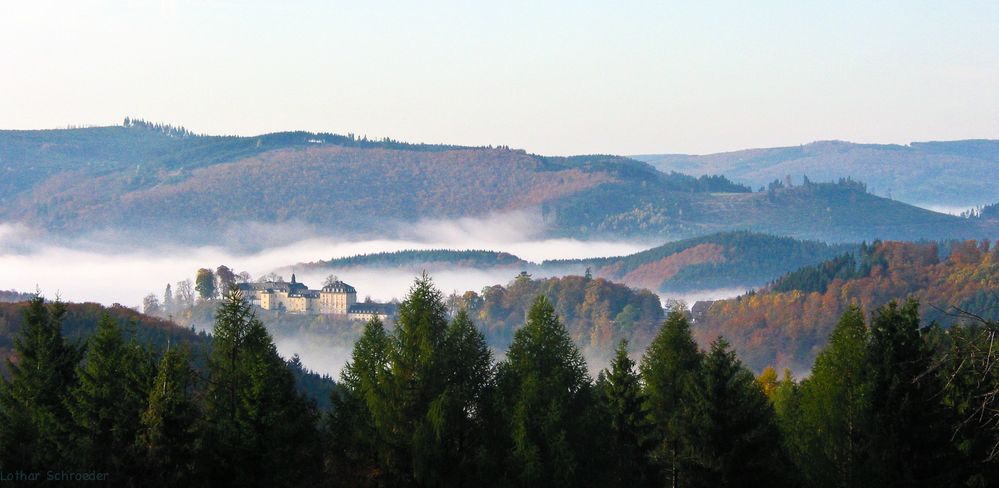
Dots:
pixel 34 421
pixel 669 369
pixel 450 442
pixel 168 432
pixel 258 431
pixel 356 447
pixel 628 443
pixel 735 428
pixel 107 403
pixel 548 402
pixel 417 375
pixel 910 428
pixel 830 445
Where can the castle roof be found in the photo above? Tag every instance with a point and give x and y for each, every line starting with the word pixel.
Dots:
pixel 339 287
pixel 273 286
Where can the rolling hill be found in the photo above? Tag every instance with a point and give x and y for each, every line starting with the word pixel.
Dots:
pixel 161 180
pixel 788 323
pixel 724 260
pixel 952 173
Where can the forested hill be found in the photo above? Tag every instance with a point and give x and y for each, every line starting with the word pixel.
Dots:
pixel 155 334
pixel 147 177
pixel 956 173
pixel 420 260
pixel 789 323
pixel 724 260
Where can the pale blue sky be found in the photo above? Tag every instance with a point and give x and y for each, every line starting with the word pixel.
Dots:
pixel 550 77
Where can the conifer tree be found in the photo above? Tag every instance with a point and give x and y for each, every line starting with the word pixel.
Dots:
pixel 548 400
pixel 628 444
pixel 168 424
pixel 107 403
pixel 670 369
pixel 831 443
pixel 355 443
pixel 737 439
pixel 258 431
pixel 34 421
pixel 910 429
pixel 449 442
pixel 417 376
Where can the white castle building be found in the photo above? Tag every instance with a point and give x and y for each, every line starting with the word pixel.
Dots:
pixel 336 298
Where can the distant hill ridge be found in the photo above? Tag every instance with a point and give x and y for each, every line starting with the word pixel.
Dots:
pixel 723 260
pixel 162 180
pixel 955 173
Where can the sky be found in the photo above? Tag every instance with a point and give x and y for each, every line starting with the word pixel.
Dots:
pixel 552 77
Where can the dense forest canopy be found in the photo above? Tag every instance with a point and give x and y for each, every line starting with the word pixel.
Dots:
pixel 787 324
pixel 890 402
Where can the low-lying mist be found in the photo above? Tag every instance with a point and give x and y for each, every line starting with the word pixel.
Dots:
pixel 108 267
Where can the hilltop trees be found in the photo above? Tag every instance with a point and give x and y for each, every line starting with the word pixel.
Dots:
pixel 204 284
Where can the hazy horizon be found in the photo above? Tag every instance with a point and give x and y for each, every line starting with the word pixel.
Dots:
pixel 556 78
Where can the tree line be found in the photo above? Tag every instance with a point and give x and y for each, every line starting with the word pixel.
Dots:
pixel 888 403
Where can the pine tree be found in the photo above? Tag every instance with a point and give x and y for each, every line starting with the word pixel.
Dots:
pixel 831 444
pixel 669 369
pixel 910 428
pixel 258 431
pixel 168 425
pixel 34 421
pixel 168 306
pixel 547 398
pixel 628 444
pixel 360 396
pixel 417 375
pixel 108 401
pixel 450 441
pixel 737 439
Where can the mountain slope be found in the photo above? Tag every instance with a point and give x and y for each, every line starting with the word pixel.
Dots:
pixel 953 173
pixel 162 180
pixel 787 324
pixel 726 260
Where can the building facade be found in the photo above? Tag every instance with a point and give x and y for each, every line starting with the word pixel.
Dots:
pixel 336 298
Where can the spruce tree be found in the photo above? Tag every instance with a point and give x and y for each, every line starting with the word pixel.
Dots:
pixel 735 440
pixel 450 442
pixel 34 421
pixel 107 403
pixel 548 401
pixel 356 448
pixel 417 375
pixel 258 431
pixel 168 425
pixel 910 428
pixel 670 369
pixel 628 444
pixel 830 443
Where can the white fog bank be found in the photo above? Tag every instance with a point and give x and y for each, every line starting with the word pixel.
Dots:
pixel 103 270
